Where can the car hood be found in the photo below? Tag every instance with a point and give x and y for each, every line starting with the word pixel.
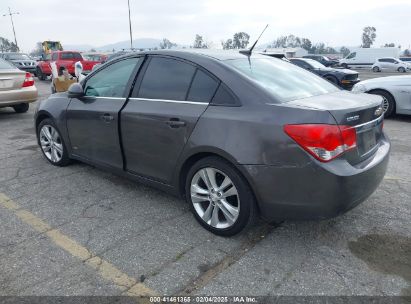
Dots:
pixel 342 71
pixel 388 80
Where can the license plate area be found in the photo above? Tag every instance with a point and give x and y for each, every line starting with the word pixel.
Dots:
pixel 6 83
pixel 368 136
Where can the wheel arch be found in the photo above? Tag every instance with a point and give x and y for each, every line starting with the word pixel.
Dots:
pixel 386 91
pixel 196 156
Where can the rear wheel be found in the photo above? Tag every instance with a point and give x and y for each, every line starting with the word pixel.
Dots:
pixel 219 197
pixel 376 69
pixel 40 74
pixel 21 108
pixel 388 102
pixel 52 143
pixel 401 70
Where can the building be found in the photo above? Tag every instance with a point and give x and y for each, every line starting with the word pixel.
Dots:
pixel 288 52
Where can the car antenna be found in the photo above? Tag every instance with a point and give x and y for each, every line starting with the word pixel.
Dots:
pixel 250 51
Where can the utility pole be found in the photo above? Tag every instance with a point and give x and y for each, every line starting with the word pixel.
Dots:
pixel 12 24
pixel 129 22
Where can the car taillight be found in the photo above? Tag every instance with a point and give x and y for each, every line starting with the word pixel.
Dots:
pixel 324 142
pixel 28 81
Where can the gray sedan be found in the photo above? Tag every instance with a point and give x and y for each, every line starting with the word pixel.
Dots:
pixel 237 136
pixel 395 90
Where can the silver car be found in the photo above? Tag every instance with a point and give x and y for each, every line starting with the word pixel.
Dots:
pixel 17 88
pixel 395 90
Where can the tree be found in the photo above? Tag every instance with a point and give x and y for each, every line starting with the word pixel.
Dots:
pixel 240 40
pixel 167 44
pixel 389 45
pixel 198 42
pixel 38 51
pixel 345 51
pixel 368 36
pixel 227 44
pixel 306 44
pixel 7 46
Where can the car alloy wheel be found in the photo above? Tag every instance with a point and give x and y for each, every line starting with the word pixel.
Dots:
pixel 215 198
pixel 401 70
pixel 385 104
pixel 376 69
pixel 51 143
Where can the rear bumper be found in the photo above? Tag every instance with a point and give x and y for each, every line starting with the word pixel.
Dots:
pixel 316 190
pixel 13 97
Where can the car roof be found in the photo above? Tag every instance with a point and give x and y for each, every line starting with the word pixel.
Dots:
pixel 192 54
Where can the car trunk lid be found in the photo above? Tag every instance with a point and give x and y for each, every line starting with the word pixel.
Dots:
pixel 360 111
pixel 11 79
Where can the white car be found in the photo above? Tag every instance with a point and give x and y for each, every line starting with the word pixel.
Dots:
pixel 395 91
pixel 390 64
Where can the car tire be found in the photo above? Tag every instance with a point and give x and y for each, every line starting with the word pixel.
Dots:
pixel 52 143
pixel 40 74
pixel 376 69
pixel 401 70
pixel 21 108
pixel 389 102
pixel 220 214
pixel 332 79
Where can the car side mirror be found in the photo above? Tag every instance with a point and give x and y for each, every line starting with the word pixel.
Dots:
pixel 75 91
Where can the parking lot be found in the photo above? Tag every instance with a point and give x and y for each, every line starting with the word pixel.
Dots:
pixel 80 231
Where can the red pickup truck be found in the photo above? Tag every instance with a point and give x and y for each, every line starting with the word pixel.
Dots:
pixel 62 58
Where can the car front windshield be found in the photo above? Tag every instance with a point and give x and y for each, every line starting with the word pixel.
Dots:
pixel 19 57
pixel 283 80
pixel 315 64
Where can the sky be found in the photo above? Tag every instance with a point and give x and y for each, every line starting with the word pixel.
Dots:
pixel 101 22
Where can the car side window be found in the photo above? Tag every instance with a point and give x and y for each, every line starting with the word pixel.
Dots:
pixel 203 87
pixel 352 55
pixel 67 56
pixel 223 96
pixel 112 80
pixel 166 78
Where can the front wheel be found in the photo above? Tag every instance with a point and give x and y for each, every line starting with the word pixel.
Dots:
pixel 375 69
pixel 40 74
pixel 52 143
pixel 219 197
pixel 388 103
pixel 401 70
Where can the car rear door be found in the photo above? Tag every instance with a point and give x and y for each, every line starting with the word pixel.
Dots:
pixel 93 121
pixel 162 112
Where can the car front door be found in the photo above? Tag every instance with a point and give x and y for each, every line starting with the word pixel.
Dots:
pixel 93 120
pixel 166 103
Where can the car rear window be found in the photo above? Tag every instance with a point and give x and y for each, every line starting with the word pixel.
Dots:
pixel 283 80
pixel 4 65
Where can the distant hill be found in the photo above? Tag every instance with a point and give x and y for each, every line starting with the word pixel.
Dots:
pixel 141 43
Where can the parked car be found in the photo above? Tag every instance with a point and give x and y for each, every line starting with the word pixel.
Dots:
pixel 343 78
pixel 323 60
pixel 405 59
pixel 95 57
pixel 395 90
pixel 22 61
pixel 17 87
pixel 235 135
pixel 365 57
pixel 62 58
pixel 390 65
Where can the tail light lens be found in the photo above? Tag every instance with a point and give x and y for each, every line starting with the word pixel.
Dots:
pixel 324 142
pixel 28 81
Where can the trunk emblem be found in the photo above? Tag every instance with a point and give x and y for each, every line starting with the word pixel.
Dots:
pixel 378 111
pixel 352 118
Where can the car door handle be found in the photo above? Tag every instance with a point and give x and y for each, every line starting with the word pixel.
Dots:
pixel 107 117
pixel 175 123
